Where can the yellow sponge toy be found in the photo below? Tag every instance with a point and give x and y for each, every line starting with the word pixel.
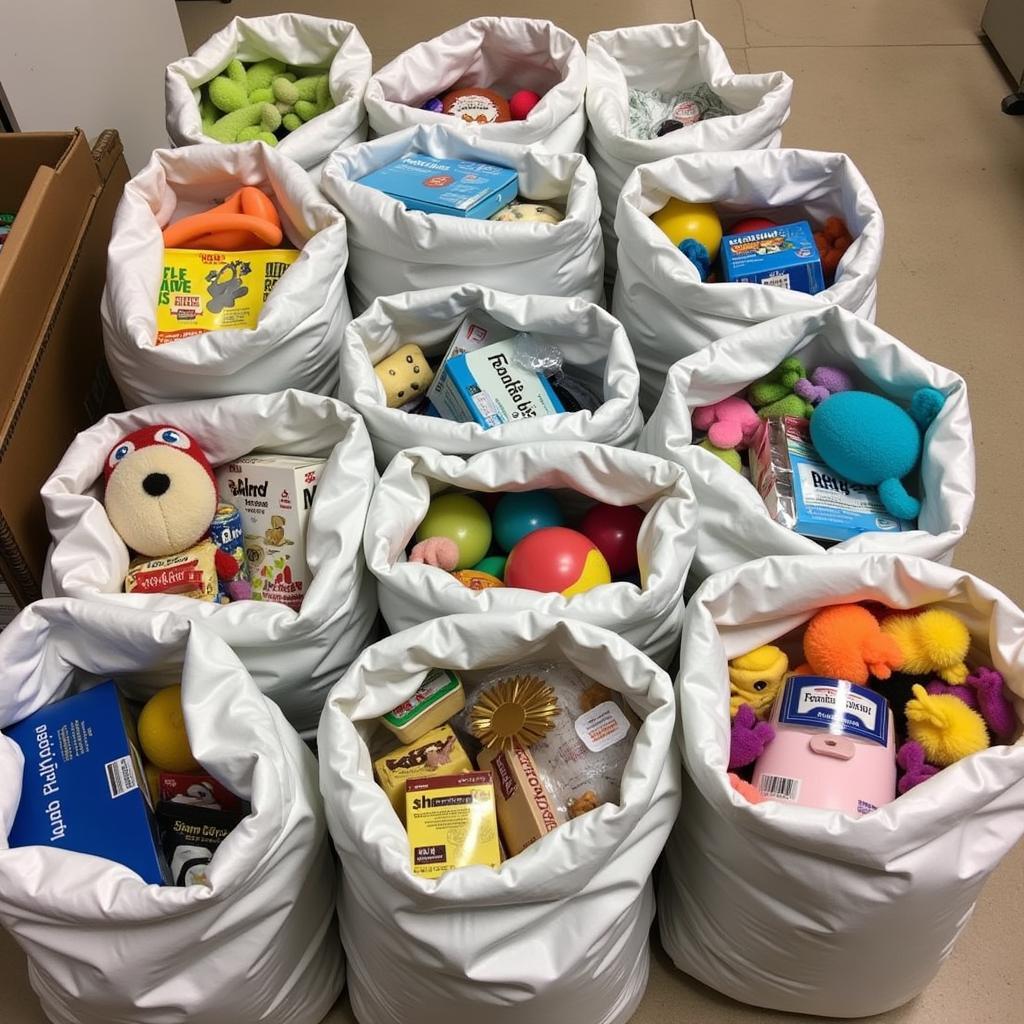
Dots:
pixel 756 678
pixel 933 642
pixel 945 727
pixel 162 734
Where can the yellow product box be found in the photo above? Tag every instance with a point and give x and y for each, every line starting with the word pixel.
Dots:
pixel 439 697
pixel 437 752
pixel 451 823
pixel 206 290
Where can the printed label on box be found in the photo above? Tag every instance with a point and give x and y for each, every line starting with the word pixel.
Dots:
pixel 602 726
pixel 835 705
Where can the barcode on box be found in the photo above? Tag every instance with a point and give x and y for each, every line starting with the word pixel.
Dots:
pixel 779 787
pixel 777 280
pixel 121 776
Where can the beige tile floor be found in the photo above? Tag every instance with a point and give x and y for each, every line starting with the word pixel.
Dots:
pixel 908 90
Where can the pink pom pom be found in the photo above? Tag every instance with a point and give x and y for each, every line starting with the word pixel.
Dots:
pixel 522 103
pixel 442 552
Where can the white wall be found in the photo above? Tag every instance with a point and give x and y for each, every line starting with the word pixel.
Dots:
pixel 91 64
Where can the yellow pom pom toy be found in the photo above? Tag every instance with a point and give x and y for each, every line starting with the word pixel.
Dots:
pixel 934 642
pixel 755 679
pixel 945 727
pixel 162 733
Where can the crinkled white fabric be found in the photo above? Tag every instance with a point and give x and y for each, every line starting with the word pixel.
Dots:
pixel 395 250
pixel 503 54
pixel 296 39
pixel 734 524
pixel 295 342
pixel 560 932
pixel 649 618
pixel 668 312
pixel 592 342
pixel 813 911
pixel 293 656
pixel 104 947
pixel 669 58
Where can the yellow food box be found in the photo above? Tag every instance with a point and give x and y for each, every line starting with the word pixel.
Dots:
pixel 438 752
pixel 439 696
pixel 206 290
pixel 451 823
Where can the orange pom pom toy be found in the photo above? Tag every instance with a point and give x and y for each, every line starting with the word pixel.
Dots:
pixel 845 641
pixel 832 241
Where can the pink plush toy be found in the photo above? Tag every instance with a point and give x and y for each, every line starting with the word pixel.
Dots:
pixel 730 423
pixel 442 552
pixel 824 382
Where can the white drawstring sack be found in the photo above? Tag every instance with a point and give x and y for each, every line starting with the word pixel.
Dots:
pixel 293 656
pixel 298 40
pixel 813 911
pixel 670 58
pixel 558 933
pixel 258 942
pixel 649 617
pixel 498 53
pixel 735 525
pixel 594 347
pixel 669 313
pixel 395 250
pixel 294 344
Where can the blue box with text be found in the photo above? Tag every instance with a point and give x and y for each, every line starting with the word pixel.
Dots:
pixel 784 256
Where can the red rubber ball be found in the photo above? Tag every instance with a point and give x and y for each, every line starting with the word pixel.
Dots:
pixel 522 103
pixel 614 531
pixel 555 560
pixel 751 224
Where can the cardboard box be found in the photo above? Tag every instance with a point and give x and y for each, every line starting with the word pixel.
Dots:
pixel 438 752
pixel 784 257
pixel 52 269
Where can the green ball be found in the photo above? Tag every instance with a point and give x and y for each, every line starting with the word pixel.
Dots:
pixel 494 564
pixel 462 519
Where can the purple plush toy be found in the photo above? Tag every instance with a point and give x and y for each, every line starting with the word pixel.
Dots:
pixel 824 382
pixel 749 738
pixel 910 758
pixel 983 692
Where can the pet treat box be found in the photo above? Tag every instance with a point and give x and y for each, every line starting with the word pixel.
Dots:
pixel 83 788
pixel 274 494
pixel 784 256
pixel 458 188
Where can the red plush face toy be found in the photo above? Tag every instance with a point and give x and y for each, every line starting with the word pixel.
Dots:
pixel 161 494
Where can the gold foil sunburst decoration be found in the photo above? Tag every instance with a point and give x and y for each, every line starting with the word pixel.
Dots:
pixel 519 709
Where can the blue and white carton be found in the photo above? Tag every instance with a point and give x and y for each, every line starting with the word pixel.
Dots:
pixel 784 256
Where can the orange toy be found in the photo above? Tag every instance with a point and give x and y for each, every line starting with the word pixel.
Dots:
pixel 845 641
pixel 247 219
pixel 832 241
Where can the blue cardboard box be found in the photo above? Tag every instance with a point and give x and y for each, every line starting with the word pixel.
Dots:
pixel 83 788
pixel 458 188
pixel 784 257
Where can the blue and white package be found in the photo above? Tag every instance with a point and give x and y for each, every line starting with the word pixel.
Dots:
pixel 805 495
pixel 835 705
pixel 83 788
pixel 784 256
pixel 459 188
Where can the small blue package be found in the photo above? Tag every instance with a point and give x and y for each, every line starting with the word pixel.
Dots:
pixel 458 188
pixel 785 256
pixel 83 788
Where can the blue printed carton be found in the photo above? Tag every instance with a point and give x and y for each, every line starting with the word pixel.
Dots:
pixel 83 788
pixel 784 256
pixel 458 188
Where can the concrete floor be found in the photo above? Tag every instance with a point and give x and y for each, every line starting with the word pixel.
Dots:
pixel 908 90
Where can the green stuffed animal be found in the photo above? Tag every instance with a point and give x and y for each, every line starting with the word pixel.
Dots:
pixel 773 394
pixel 262 101
pixel 729 456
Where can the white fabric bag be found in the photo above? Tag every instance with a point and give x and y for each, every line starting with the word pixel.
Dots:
pixel 395 250
pixel 649 618
pixel 295 341
pixel 299 40
pixel 734 523
pixel 592 343
pixel 812 911
pixel 559 933
pixel 668 312
pixel 257 943
pixel 670 58
pixel 293 656
pixel 502 54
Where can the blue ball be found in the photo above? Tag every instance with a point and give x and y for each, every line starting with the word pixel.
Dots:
pixel 522 512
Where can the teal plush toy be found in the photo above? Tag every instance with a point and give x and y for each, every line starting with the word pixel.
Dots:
pixel 261 101
pixel 872 441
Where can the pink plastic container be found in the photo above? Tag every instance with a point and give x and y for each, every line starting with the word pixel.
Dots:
pixel 834 747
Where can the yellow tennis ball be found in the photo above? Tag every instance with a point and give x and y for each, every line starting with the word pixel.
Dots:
pixel 162 733
pixel 699 221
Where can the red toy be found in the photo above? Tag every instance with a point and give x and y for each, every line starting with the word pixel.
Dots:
pixel 741 227
pixel 556 560
pixel 614 532
pixel 522 103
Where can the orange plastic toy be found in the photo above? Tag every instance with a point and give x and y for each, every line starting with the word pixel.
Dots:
pixel 247 219
pixel 832 241
pixel 845 641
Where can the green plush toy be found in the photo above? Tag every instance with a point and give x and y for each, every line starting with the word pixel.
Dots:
pixel 263 101
pixel 773 395
pixel 729 456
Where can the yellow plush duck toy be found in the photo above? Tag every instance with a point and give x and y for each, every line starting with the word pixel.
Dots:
pixel 933 642
pixel 756 679
pixel 945 727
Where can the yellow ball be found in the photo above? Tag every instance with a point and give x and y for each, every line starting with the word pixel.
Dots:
pixel 699 221
pixel 162 733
